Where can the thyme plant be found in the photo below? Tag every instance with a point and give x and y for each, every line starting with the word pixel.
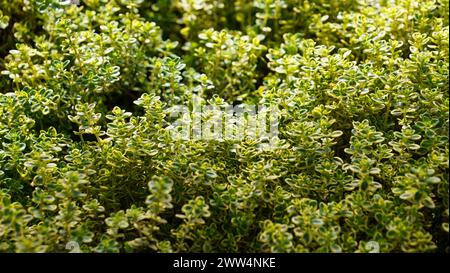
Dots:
pixel 360 163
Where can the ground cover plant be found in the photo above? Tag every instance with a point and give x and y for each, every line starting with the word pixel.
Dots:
pixel 88 162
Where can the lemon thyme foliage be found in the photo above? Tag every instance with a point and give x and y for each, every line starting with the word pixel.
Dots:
pixel 88 156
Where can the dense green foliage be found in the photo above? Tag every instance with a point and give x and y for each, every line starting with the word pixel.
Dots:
pixel 362 154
